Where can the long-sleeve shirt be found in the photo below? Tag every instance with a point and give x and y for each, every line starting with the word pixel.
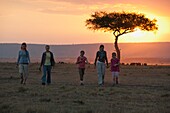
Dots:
pixel 23 57
pixel 49 57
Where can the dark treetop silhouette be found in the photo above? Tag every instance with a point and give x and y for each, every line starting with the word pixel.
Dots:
pixel 120 23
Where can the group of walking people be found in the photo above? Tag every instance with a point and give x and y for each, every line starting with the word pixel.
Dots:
pixel 47 62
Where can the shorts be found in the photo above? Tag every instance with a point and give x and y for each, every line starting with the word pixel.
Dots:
pixel 115 74
pixel 23 69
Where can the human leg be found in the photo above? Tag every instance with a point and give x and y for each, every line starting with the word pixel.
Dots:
pixel 25 74
pixel 117 77
pixel 99 72
pixel 21 72
pixel 114 78
pixel 22 79
pixel 48 74
pixel 44 75
pixel 103 71
pixel 81 73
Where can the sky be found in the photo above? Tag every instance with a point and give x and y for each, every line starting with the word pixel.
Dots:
pixel 63 21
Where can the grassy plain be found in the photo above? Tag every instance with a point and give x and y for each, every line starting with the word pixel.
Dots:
pixel 142 89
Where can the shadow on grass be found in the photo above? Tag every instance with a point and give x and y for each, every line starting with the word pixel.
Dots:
pixel 9 78
pixel 34 110
pixel 45 100
pixel 80 102
pixel 165 95
pixel 22 89
pixel 7 108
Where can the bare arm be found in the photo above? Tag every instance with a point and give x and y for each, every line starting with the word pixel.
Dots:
pixel 87 61
pixel 96 59
pixel 78 61
pixel 118 63
pixel 107 60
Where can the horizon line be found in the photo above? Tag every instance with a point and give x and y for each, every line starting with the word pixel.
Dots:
pixel 86 43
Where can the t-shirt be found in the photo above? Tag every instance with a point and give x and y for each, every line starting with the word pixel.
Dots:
pixel 47 59
pixel 114 68
pixel 81 61
pixel 101 56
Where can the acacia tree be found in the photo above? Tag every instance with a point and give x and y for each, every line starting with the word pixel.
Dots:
pixel 120 23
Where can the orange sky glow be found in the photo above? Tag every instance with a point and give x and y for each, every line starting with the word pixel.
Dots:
pixel 63 21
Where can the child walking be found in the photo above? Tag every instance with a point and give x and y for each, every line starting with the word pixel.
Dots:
pixel 47 61
pixel 81 61
pixel 22 62
pixel 115 62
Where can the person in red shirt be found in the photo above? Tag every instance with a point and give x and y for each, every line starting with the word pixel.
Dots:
pixel 115 62
pixel 81 61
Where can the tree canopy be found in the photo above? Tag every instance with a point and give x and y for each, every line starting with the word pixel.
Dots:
pixel 120 22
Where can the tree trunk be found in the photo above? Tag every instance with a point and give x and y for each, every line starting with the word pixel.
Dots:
pixel 117 48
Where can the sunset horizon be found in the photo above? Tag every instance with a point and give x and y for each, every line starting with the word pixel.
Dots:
pixel 85 56
pixel 78 43
pixel 63 22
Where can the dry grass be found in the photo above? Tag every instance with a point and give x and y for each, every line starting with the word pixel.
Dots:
pixel 143 89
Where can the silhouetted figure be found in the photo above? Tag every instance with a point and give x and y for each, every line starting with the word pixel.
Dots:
pixel 115 62
pixel 101 58
pixel 47 62
pixel 22 62
pixel 81 61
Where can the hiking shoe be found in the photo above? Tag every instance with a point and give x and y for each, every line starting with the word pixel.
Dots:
pixel 43 84
pixel 102 82
pixel 101 85
pixel 81 83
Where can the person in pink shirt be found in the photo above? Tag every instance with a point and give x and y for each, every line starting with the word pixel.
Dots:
pixel 81 61
pixel 115 62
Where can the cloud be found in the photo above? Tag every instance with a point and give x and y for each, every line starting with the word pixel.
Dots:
pixel 73 9
pixel 79 7
pixel 62 11
pixel 64 8
pixel 85 2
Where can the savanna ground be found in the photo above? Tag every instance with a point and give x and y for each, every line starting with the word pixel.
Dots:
pixel 142 89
